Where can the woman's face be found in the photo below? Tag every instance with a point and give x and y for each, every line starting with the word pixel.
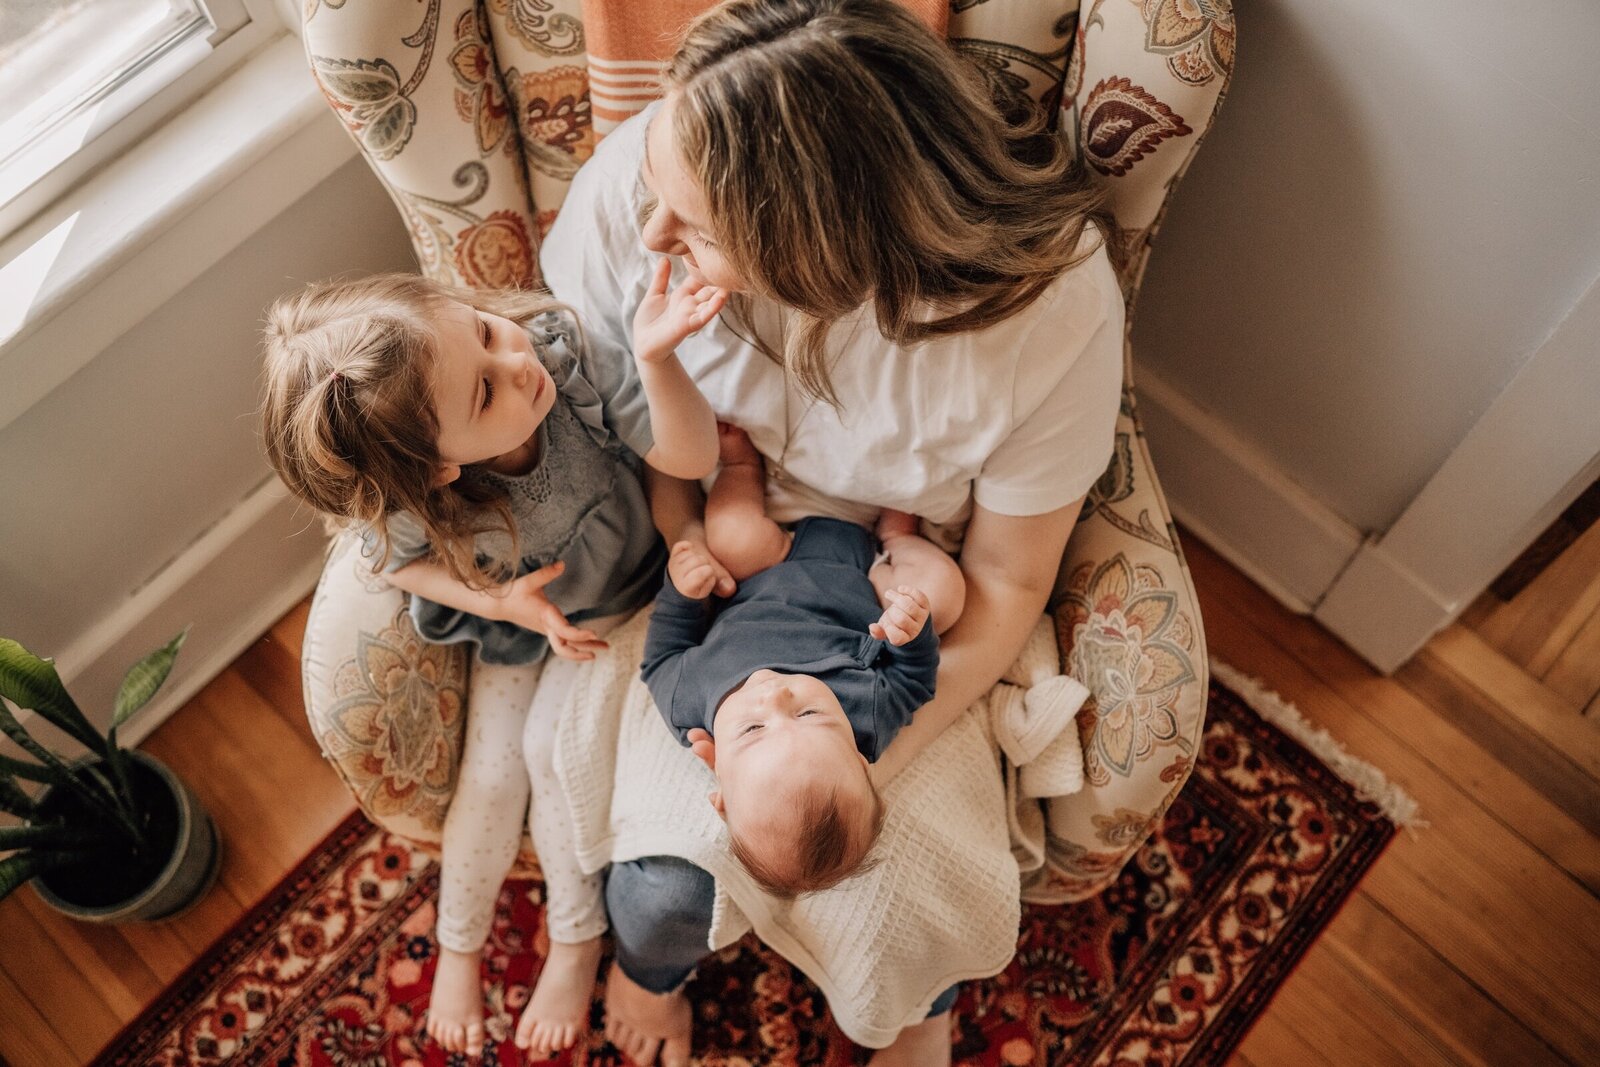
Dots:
pixel 680 225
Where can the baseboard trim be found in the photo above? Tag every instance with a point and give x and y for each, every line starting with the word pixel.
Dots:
pixel 229 586
pixel 1381 610
pixel 1241 503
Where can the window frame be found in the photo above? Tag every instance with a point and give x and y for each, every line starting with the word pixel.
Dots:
pixel 132 109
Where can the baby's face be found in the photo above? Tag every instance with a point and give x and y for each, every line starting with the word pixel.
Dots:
pixel 776 735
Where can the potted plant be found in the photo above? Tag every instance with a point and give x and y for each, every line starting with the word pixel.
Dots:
pixel 114 836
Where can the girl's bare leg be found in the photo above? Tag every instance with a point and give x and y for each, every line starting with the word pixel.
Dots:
pixel 912 560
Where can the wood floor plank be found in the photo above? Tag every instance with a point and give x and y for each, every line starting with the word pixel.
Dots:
pixel 1536 625
pixel 276 792
pixel 1521 696
pixel 1433 735
pixel 1273 1041
pixel 1575 675
pixel 273 671
pixel 67 1000
pixel 290 630
pixel 1327 1004
pixel 1432 996
pixel 1450 882
pixel 1534 759
pixel 104 957
pixel 27 1039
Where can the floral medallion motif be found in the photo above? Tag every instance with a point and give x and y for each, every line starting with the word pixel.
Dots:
pixel 1196 36
pixel 1122 123
pixel 496 253
pixel 552 109
pixel 1126 636
pixel 396 722
pixel 478 96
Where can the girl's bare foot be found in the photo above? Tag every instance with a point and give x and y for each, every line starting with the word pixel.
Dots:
pixel 926 1044
pixel 455 1009
pixel 650 1027
pixel 558 1013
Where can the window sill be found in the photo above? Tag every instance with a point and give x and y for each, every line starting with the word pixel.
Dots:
pixel 124 242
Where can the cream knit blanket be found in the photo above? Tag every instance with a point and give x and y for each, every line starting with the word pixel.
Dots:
pixel 941 905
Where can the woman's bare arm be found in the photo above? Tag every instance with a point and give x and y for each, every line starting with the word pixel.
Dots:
pixel 1010 563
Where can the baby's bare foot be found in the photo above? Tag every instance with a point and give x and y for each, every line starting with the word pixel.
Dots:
pixel 558 1014
pixel 647 1027
pixel 734 447
pixel 455 1009
pixel 892 524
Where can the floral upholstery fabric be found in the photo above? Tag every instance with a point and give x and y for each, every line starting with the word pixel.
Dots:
pixel 476 113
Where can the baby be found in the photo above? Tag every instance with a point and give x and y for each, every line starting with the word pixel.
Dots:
pixel 791 686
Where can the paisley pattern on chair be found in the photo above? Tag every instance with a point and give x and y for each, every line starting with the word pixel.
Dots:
pixel 475 114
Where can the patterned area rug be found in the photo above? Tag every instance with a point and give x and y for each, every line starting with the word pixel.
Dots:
pixel 1169 966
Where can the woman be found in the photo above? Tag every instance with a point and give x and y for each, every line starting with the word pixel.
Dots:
pixel 925 322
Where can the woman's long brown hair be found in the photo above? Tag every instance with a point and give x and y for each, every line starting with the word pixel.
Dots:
pixel 848 156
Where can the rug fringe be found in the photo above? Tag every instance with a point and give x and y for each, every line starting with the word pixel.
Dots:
pixel 1369 782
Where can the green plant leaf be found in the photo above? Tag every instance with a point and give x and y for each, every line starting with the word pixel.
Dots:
pixel 33 772
pixel 51 836
pixel 82 782
pixel 14 800
pixel 15 870
pixel 32 683
pixel 64 775
pixel 144 678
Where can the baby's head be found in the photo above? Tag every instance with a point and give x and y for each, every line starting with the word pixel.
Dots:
pixel 800 807
pixel 360 413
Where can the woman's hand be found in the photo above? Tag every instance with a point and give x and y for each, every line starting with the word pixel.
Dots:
pixel 696 573
pixel 526 605
pixel 662 321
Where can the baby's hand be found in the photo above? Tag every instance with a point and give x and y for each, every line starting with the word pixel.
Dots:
pixel 662 321
pixel 696 573
pixel 527 605
pixel 904 616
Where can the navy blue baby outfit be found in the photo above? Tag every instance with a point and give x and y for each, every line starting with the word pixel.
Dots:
pixel 807 615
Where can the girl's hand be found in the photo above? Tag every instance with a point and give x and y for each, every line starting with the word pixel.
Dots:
pixel 696 573
pixel 904 615
pixel 526 604
pixel 662 321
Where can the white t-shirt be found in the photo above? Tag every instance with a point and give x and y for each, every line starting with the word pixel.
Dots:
pixel 1018 416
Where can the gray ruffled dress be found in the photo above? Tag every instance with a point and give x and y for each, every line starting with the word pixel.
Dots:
pixel 583 504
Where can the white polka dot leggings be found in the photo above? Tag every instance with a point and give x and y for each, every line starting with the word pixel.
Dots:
pixel 508 755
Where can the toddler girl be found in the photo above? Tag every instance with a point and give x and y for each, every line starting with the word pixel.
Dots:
pixel 489 452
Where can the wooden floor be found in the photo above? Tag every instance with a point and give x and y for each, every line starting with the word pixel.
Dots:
pixel 1473 941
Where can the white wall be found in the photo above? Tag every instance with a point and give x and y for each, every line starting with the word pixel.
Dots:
pixel 122 467
pixel 1399 204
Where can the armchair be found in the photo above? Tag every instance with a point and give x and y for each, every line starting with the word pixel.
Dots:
pixel 476 113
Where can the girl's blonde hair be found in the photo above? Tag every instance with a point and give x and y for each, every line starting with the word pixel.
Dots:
pixel 348 416
pixel 849 155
